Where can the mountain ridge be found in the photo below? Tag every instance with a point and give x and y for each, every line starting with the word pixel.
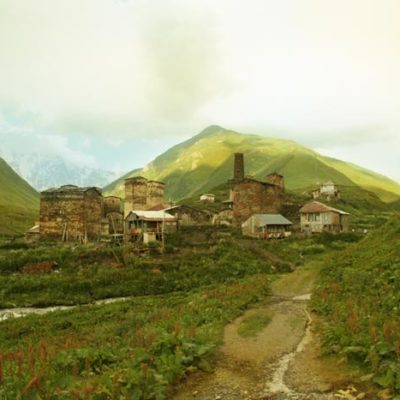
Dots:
pixel 19 201
pixel 205 161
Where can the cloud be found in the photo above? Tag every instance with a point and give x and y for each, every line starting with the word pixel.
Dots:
pixel 113 70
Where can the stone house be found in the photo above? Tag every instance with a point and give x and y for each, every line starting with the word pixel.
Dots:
pixel 267 226
pixel 317 217
pixel 251 196
pixel 223 217
pixel 328 191
pixel 186 215
pixel 71 213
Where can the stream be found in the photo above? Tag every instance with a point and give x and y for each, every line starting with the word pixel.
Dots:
pixel 277 387
pixel 19 312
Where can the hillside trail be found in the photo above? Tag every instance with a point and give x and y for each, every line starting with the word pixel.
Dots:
pixel 283 361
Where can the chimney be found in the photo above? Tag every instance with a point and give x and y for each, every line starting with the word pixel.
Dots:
pixel 238 172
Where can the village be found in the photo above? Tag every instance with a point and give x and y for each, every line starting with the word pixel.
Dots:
pixel 82 214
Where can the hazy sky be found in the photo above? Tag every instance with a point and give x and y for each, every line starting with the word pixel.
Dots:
pixel 113 83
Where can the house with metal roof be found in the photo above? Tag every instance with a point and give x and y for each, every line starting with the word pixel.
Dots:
pixel 318 217
pixel 148 226
pixel 267 226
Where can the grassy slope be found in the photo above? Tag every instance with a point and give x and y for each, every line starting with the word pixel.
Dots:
pixel 19 202
pixel 205 162
pixel 359 294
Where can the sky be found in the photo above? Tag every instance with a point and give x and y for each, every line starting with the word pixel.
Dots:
pixel 113 83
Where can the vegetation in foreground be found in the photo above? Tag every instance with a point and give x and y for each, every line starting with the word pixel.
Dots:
pixel 85 274
pixel 138 348
pixel 359 295
pixel 253 324
pixel 131 350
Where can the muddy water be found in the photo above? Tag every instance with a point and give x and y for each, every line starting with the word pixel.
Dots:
pixel 24 311
pixel 276 386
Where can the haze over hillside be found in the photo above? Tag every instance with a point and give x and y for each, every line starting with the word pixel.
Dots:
pixel 19 202
pixel 205 161
pixel 45 171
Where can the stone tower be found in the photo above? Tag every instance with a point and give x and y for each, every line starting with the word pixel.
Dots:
pixel 277 180
pixel 155 194
pixel 238 169
pixel 135 194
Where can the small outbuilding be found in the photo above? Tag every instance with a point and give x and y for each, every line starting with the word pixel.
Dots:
pixel 267 226
pixel 33 234
pixel 148 226
pixel 317 217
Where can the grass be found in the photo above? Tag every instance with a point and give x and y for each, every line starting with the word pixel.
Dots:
pixel 139 348
pixel 131 350
pixel 253 324
pixel 90 273
pixel 358 294
pixel 19 202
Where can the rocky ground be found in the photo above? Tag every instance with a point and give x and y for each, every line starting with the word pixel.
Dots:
pixel 283 361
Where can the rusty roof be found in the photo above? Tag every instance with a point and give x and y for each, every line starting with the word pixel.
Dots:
pixel 317 207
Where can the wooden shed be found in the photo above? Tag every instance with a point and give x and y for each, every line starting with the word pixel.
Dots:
pixel 148 225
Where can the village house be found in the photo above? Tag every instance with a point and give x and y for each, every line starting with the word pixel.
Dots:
pixel 148 226
pixel 327 190
pixel 207 198
pixel 317 217
pixel 250 196
pixel 71 213
pixel 267 226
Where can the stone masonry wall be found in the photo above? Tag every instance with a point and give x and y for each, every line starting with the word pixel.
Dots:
pixel 76 215
pixel 254 197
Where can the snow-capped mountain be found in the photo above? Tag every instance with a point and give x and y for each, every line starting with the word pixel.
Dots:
pixel 43 172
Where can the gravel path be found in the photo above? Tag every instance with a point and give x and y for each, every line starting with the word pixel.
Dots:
pixel 282 362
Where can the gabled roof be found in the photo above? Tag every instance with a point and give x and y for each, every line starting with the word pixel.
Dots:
pixel 34 229
pixel 150 216
pixel 317 207
pixel 269 219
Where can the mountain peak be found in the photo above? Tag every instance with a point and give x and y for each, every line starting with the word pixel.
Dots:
pixel 211 130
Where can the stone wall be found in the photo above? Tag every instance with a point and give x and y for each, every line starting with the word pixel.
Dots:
pixel 155 194
pixel 111 204
pixel 277 180
pixel 71 213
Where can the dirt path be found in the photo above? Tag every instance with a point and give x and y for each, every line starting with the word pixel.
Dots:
pixel 282 361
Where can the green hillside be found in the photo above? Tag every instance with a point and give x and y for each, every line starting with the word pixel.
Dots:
pixel 19 202
pixel 205 161
pixel 358 295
